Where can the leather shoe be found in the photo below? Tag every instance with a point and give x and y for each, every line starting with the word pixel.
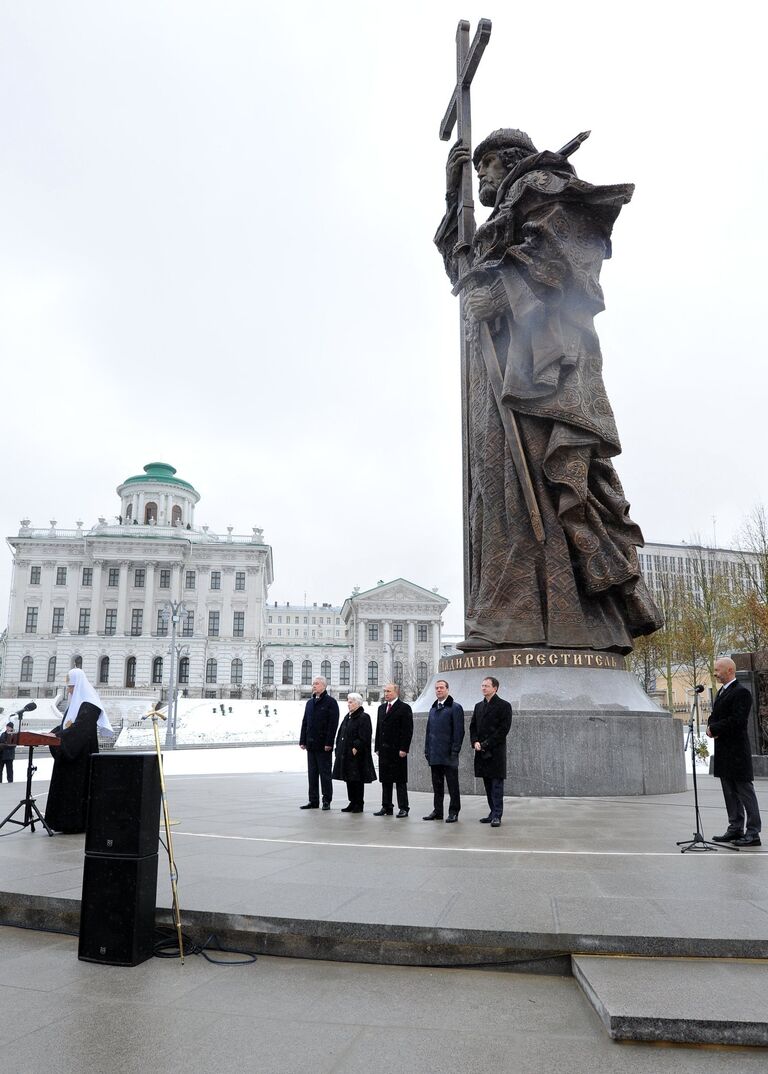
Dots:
pixel 326 806
pixel 747 841
pixel 348 808
pixel 433 816
pixel 727 837
pixel 357 809
pixel 486 820
pixel 310 805
pixel 383 812
pixel 451 818
pixel 402 813
pixel 496 822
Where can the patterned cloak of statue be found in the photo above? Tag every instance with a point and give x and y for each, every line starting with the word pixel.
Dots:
pixel 540 252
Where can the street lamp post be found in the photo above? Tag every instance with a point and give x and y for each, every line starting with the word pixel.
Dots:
pixel 173 610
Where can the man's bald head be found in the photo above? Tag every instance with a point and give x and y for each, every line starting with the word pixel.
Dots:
pixel 725 670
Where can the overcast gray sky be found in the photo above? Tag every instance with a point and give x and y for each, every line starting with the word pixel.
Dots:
pixel 216 228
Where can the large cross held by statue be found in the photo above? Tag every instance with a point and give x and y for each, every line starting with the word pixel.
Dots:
pixel 458 114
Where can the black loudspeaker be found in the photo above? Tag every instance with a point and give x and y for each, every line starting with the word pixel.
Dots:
pixel 123 805
pixel 117 912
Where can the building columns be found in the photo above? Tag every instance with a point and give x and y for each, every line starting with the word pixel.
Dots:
pixel 122 599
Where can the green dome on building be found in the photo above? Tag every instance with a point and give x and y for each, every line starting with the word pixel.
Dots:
pixel 159 472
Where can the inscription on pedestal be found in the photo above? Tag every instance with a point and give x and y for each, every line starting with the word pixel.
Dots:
pixel 532 658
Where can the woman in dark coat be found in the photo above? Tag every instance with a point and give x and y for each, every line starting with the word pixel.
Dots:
pixel 353 761
pixel 67 802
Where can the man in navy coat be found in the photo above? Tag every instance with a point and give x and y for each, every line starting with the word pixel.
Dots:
pixel 318 733
pixel 442 743
pixel 733 757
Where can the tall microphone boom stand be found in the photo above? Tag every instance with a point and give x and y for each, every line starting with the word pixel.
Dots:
pixel 698 842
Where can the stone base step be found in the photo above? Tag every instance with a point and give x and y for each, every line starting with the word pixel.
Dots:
pixel 681 1000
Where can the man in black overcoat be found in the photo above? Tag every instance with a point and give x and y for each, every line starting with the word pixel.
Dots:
pixel 7 753
pixel 394 731
pixel 728 725
pixel 318 734
pixel 488 730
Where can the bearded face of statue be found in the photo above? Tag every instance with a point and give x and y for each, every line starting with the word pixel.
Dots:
pixel 490 173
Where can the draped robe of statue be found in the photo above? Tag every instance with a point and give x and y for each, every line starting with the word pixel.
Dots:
pixel 541 251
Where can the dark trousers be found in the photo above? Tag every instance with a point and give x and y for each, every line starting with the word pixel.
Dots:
pixel 494 792
pixel 741 803
pixel 8 766
pixel 319 771
pixel 356 793
pixel 443 774
pixel 386 795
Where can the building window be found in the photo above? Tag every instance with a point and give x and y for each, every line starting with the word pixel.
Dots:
pixel 211 670
pixel 397 673
pixel 240 582
pixel 137 616
pixel 84 622
pixel 138 577
pixel 31 625
pixel 176 515
pixel 306 673
pixel 165 578
pixel 344 673
pixel 184 671
pixel 57 621
pixel 189 580
pixel 150 513
pixel 162 624
pixel 188 625
pixel 287 672
pixel 51 677
pixel 26 669
pixel 157 670
pixel 110 621
pixel 373 673
pixel 215 579
pixel 421 632
pixel 373 632
pixel 325 670
pixel 61 576
pixel 397 632
pixel 268 673
pixel 87 577
pixel 104 670
pixel 34 576
pixel 130 672
pixel 422 674
pixel 236 672
pixel 238 624
pixel 113 578
pixel 213 624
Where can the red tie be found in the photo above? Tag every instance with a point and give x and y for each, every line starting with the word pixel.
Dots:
pixel 389 706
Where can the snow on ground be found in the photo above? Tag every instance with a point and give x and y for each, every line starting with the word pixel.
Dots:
pixel 202 721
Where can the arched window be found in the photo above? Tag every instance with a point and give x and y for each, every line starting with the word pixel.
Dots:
pixel 130 672
pixel 176 515
pixel 306 673
pixel 236 672
pixel 422 674
pixel 27 666
pixel 397 672
pixel 157 670
pixel 373 673
pixel 129 512
pixel 287 672
pixel 150 512
pixel 104 670
pixel 344 673
pixel 325 670
pixel 211 671
pixel 184 670
pixel 51 669
pixel 268 673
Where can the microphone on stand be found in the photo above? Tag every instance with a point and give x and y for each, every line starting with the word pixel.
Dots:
pixel 27 708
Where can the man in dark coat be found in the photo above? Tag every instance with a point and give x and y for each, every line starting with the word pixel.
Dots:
pixel 7 753
pixel 442 744
pixel 394 731
pixel 318 733
pixel 733 757
pixel 488 730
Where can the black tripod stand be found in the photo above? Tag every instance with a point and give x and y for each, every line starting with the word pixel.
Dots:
pixel 32 814
pixel 698 842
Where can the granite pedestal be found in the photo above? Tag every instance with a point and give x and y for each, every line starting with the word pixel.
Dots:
pixel 581 725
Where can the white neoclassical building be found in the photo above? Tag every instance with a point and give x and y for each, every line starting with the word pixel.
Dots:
pixel 101 598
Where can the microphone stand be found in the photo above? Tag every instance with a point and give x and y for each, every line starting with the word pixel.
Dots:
pixel 698 842
pixel 31 813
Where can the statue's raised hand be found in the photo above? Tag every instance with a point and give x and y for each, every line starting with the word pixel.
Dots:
pixel 458 156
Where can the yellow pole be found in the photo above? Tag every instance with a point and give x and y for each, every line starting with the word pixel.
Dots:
pixel 154 714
